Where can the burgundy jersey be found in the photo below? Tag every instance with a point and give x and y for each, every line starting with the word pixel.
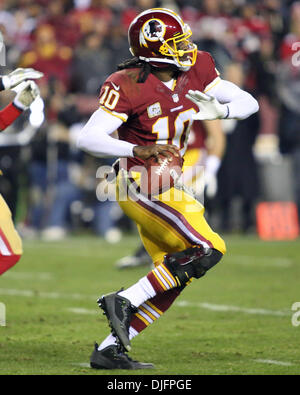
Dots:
pixel 153 113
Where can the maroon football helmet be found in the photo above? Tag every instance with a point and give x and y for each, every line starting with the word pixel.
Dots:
pixel 160 36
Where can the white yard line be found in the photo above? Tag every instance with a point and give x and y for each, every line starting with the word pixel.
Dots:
pixel 182 303
pixel 79 310
pixel 206 306
pixel 273 362
pixel 41 276
pixel 263 261
pixel 45 295
pixel 235 309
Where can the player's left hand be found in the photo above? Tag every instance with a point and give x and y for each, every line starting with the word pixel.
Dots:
pixel 19 75
pixel 27 92
pixel 209 107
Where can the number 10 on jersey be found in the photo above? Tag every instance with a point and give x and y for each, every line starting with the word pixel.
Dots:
pixel 176 134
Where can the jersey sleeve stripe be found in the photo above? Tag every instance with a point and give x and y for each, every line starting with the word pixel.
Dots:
pixel 212 84
pixel 121 116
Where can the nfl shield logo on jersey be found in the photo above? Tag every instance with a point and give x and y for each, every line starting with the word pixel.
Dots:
pixel 175 98
pixel 154 110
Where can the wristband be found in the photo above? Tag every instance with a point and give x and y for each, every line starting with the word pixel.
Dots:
pixel 227 115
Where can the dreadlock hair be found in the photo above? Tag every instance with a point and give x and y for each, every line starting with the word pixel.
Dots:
pixel 136 62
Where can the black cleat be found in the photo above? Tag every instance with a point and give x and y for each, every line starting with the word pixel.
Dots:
pixel 118 311
pixel 112 358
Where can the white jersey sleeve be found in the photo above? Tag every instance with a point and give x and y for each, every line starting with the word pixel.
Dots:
pixel 95 137
pixel 239 102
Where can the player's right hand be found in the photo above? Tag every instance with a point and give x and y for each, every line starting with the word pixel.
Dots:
pixel 19 75
pixel 209 107
pixel 147 151
pixel 27 92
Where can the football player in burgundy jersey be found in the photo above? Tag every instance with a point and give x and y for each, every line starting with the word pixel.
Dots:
pixel 152 101
pixel 27 91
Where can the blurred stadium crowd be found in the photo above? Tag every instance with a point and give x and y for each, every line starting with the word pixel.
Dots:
pixel 50 186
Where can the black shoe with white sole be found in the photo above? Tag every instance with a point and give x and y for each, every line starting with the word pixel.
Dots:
pixel 112 358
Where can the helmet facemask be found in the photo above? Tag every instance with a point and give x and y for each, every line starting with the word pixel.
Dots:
pixel 182 51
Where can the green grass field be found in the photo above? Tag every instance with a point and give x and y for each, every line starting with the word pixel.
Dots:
pixel 235 320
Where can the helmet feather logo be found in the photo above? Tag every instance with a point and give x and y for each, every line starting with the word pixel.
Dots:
pixel 153 30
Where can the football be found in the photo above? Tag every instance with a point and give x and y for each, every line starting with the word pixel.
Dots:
pixel 159 174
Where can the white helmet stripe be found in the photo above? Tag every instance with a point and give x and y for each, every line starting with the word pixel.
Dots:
pixel 162 10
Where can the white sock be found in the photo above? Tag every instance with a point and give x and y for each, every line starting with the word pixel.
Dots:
pixel 111 340
pixel 139 292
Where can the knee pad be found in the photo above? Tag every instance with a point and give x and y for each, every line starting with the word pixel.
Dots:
pixel 193 262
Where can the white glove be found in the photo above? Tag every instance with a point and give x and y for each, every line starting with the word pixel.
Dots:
pixel 19 75
pixel 209 107
pixel 211 185
pixel 27 92
pixel 212 165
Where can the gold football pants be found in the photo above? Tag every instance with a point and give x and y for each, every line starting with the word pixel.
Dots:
pixel 167 223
